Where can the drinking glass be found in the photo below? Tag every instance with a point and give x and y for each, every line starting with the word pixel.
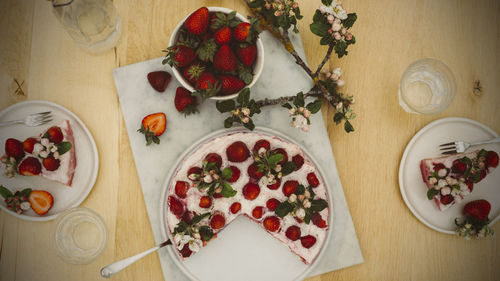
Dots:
pixel 93 24
pixel 427 87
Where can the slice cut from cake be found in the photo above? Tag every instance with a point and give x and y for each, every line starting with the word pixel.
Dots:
pixel 450 178
pixel 50 155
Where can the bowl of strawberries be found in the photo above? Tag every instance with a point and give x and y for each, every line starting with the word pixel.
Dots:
pixel 216 52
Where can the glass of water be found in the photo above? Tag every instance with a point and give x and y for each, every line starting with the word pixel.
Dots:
pixel 93 24
pixel 427 87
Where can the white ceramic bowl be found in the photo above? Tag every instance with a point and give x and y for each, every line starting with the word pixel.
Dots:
pixel 258 64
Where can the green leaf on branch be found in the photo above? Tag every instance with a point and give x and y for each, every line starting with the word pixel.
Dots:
pixel 228 123
pixel 318 16
pixel 326 40
pixel 314 106
pixel 348 127
pixel 287 106
pixel 327 2
pixel 225 106
pixel 320 28
pixel 250 125
pixel 350 20
pixel 337 118
pixel 298 101
pixel 340 48
pixel 244 97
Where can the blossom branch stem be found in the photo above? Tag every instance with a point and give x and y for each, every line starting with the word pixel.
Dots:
pixel 325 59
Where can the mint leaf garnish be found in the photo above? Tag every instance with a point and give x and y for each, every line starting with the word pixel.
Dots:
pixel 63 147
pixel 206 233
pixel 431 192
pixel 318 205
pixel 283 209
pixel 227 173
pixel 227 190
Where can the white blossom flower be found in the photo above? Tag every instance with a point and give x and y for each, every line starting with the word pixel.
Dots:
pixel 340 83
pixel 306 113
pixel 322 9
pixel 56 155
pixel 336 26
pixel 25 206
pixel 262 151
pixel 442 173
pixel 445 190
pixel 208 179
pixel 301 197
pixel 292 198
pixel 300 213
pixel 299 122
pixel 337 36
pixel 53 148
pixel 37 148
pixel 300 109
pixel 307 203
pixel 45 141
pixel 245 111
pixel 455 192
pixel 343 31
pixel 278 168
pixel 339 106
pixel 330 19
pixel 307 194
pixel 442 183
pixel 432 180
pixel 338 11
pixel 44 154
pixel 245 120
pixel 291 111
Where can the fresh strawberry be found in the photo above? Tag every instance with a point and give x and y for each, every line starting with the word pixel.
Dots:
pixel 181 188
pixel 194 171
pixel 247 54
pixel 478 209
pixel 197 22
pixel 185 251
pixel 41 201
pixel 230 84
pixel 217 221
pixel 312 179
pixel 253 171
pixel 257 212
pixel 290 187
pixel 50 163
pixel 214 157
pixel 237 152
pixel 159 80
pixel 225 59
pixel 491 159
pixel 235 207
pixel 184 101
pixel 261 144
pixel 153 126
pixel 298 161
pixel 223 35
pixel 272 204
pixel 282 152
pixel 14 148
pixel 205 202
pixel 236 174
pixel 29 144
pixel 446 199
pixel 193 71
pixel 275 185
pixel 241 31
pixel 251 191
pixel 318 220
pixel 176 206
pixel 271 223
pixel 458 167
pixel 293 232
pixel 183 55
pixel 55 134
pixel 308 241
pixel 30 166
pixel 207 81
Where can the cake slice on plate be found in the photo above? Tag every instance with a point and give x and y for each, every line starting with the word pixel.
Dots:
pixel 450 178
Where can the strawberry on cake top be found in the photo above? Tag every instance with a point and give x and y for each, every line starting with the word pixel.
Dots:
pixel 270 181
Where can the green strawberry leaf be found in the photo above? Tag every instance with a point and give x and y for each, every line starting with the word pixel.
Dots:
pixel 314 106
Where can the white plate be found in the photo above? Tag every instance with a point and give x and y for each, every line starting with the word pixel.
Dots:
pixel 425 144
pixel 246 252
pixel 65 197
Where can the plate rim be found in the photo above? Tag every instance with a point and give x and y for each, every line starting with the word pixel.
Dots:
pixel 406 152
pixel 93 145
pixel 162 208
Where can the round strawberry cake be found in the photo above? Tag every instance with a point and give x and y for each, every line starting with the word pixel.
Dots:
pixel 258 175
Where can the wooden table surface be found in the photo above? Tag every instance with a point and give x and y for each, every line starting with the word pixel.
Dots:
pixel 36 51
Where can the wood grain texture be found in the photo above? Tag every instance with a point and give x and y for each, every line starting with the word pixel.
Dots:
pixel 390 35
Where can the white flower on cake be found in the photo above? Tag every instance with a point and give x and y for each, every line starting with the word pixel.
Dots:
pixel 193 243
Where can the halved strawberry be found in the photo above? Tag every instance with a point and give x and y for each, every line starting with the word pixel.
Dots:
pixel 275 185
pixel 312 179
pixel 446 199
pixel 318 220
pixel 290 187
pixel 185 251
pixel 236 174
pixel 235 207
pixel 293 232
pixel 272 204
pixel 247 54
pixel 30 166
pixel 237 152
pixel 491 159
pixel 223 35
pixel 153 126
pixel 55 134
pixel 282 152
pixel 230 84
pixel 308 241
pixel 194 170
pixel 298 161
pixel 50 163
pixel 193 71
pixel 41 201
pixel 205 202
pixel 257 212
pixel 197 22
pixel 478 209
pixel 215 158
pixel 159 80
pixel 14 148
pixel 225 59
pixel 241 31
pixel 184 101
pixel 218 221
pixel 261 144
pixel 176 206
pixel 253 171
pixel 29 144
pixel 251 191
pixel 271 223
pixel 181 188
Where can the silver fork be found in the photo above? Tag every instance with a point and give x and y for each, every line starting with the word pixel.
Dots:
pixel 32 120
pixel 461 146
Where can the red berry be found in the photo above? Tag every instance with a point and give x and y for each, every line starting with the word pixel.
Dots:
pixel 470 185
pixel 298 161
pixel 197 22
pixel 289 187
pixel 230 84
pixel 491 159
pixel 14 148
pixel 458 167
pixel 205 202
pixel 253 171
pixel 176 206
pixel 247 54
pixel 478 209
pixel 183 55
pixel 438 167
pixel 55 134
pixel 225 59
pixel 217 195
pixel 282 152
pixel 235 207
pixel 159 80
pixel 275 185
pixel 29 144
pixel 308 241
pixel 251 191
pixel 237 152
pixel 446 199
pixel 236 174
pixel 50 163
pixel 271 223
pixel 215 158
pixel 194 170
pixel 272 204
pixel 217 221
pixel 318 220
pixel 257 212
pixel 184 101
pixel 207 81
pixel 186 252
pixel 261 144
pixel 30 166
pixel 241 31
pixel 181 188
pixel 293 232
pixel 312 179
pixel 223 35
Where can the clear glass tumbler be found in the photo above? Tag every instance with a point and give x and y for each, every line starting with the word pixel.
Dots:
pixel 427 86
pixel 80 236
pixel 93 24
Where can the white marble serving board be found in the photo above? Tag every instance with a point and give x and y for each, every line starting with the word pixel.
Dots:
pixel 281 76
